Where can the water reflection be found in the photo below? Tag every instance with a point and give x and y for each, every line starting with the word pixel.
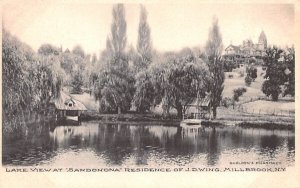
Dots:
pixel 94 144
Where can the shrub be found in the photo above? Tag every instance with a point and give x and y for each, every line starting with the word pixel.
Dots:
pixel 229 66
pixel 248 80
pixel 238 92
pixel 252 72
pixel 226 102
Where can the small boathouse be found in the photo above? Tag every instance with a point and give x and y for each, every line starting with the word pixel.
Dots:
pixel 200 108
pixel 67 107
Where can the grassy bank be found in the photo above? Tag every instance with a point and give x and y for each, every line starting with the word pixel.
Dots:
pixel 236 115
pixel 226 117
pixel 128 117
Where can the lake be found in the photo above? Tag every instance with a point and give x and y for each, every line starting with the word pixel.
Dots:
pixel 96 144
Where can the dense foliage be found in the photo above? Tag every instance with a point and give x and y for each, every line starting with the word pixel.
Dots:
pixel 77 82
pixel 229 66
pixel 290 71
pixel 48 49
pixel 178 80
pixel 280 73
pixel 114 87
pixel 30 80
pixel 145 93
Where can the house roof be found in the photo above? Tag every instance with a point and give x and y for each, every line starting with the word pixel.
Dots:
pixel 235 48
pixel 63 101
pixel 201 101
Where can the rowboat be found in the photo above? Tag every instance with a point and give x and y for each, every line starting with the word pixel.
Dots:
pixel 73 118
pixel 190 123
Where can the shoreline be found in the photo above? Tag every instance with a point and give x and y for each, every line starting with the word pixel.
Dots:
pixel 151 119
pixel 207 123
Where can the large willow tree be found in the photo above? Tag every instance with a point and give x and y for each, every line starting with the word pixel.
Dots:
pixel 115 85
pixel 30 80
pixel 178 80
pixel 16 85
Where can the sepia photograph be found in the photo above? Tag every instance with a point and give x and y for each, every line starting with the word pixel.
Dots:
pixel 135 87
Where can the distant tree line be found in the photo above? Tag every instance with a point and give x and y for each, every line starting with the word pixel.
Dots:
pixel 143 78
pixel 76 65
pixel 123 78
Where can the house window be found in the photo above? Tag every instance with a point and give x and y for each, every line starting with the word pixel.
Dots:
pixel 70 104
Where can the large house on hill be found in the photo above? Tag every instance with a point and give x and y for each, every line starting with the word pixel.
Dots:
pixel 242 53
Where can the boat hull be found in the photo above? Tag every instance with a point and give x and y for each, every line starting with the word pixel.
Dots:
pixel 73 118
pixel 190 123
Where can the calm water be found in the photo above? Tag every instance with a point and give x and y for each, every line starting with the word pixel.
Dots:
pixel 94 144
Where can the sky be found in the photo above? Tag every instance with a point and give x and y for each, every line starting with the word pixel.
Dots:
pixel 173 25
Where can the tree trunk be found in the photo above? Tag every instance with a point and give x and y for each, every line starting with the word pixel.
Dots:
pixel 275 97
pixel 119 110
pixel 179 111
pixel 166 112
pixel 214 112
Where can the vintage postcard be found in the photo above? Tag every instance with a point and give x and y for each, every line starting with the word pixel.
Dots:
pixel 149 94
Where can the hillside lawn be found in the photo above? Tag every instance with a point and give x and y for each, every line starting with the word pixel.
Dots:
pixel 249 100
pixel 253 91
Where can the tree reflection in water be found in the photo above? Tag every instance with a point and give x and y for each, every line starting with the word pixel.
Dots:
pixel 118 144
